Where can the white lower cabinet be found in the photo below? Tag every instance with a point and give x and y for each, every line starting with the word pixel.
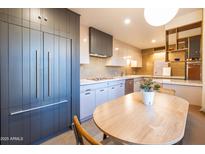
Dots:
pixel 87 104
pixel 193 94
pixel 101 96
pixel 112 92
pixel 94 95
pixel 120 90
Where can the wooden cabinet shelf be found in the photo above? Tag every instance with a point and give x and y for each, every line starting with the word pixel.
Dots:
pixel 182 48
pixel 179 50
pixel 176 61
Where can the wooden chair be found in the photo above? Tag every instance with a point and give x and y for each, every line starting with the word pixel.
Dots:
pixel 167 91
pixel 81 133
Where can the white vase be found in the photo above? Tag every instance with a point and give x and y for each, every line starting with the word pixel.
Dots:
pixel 148 97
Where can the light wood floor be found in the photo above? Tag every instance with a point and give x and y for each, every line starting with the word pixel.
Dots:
pixel 194 133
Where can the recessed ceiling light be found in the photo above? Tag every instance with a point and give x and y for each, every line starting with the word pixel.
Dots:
pixel 127 21
pixel 116 49
pixel 85 40
pixel 153 41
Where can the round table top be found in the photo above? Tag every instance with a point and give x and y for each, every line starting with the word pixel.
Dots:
pixel 130 121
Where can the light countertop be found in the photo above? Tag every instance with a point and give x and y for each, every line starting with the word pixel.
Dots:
pixel 179 82
pixel 161 79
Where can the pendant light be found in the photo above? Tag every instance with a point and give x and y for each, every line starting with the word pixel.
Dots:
pixel 159 16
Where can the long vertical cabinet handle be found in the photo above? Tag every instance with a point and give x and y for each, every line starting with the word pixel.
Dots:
pixel 37 79
pixel 49 73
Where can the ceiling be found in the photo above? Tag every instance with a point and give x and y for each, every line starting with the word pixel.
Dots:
pixel 138 33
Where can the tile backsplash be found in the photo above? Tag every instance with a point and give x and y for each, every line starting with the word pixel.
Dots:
pixel 97 68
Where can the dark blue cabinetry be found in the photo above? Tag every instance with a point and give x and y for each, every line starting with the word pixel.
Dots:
pixel 39 62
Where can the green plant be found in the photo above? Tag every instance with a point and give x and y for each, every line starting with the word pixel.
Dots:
pixel 149 85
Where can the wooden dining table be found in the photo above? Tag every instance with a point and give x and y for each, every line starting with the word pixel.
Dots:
pixel 128 120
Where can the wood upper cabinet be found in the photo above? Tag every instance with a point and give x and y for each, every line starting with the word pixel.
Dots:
pixel 100 43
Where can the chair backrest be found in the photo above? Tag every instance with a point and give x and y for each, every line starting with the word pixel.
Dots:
pixel 81 133
pixel 167 91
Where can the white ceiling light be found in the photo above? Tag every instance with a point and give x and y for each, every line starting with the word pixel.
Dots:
pixel 153 41
pixel 85 40
pixel 127 21
pixel 116 49
pixel 159 16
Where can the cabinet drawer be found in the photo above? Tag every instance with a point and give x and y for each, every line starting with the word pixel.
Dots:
pixel 91 87
pixel 112 83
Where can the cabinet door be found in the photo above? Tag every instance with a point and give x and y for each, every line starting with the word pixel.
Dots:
pixel 36 67
pixel 47 21
pixel 87 104
pixel 35 18
pixel 64 69
pixel 109 45
pixel 4 66
pixel 47 121
pixel 101 96
pixel 60 23
pixel 49 55
pixel 19 128
pixel 26 17
pixel 195 47
pixel 4 127
pixel 99 42
pixel 26 67
pixel 4 14
pixel 121 90
pixel 15 67
pixel 92 40
pixel 15 16
pixel 64 116
pixel 19 67
pixel 112 93
pixel 35 125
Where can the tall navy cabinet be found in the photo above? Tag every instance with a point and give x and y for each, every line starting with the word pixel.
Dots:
pixel 39 73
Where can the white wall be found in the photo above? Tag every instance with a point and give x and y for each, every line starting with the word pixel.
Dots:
pixel 185 19
pixel 203 62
